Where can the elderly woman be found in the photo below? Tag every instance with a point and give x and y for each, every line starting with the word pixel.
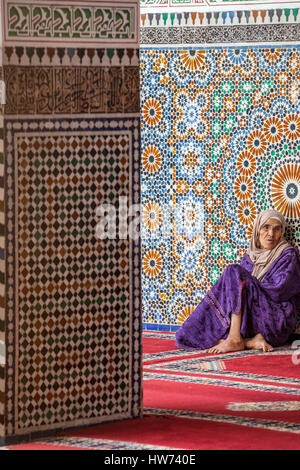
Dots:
pixel 253 304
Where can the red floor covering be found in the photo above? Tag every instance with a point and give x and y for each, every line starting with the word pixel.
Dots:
pixel 238 401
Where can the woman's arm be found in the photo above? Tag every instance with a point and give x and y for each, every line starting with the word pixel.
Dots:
pixel 282 281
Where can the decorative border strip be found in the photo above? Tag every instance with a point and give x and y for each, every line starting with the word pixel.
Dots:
pixel 199 4
pixel 208 366
pixel 59 90
pixel 169 354
pixel 271 425
pixel 2 268
pixel 210 35
pixel 160 327
pixel 102 22
pixel 96 444
pixel 221 18
pixel 290 405
pixel 232 355
pixel 211 299
pixel 61 56
pixel 158 334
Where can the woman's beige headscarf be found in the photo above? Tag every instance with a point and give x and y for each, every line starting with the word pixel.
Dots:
pixel 263 258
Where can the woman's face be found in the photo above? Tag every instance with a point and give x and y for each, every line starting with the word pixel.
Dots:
pixel 270 234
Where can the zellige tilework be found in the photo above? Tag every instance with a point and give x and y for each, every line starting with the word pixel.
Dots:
pixel 204 4
pixel 74 344
pixel 71 144
pixel 220 142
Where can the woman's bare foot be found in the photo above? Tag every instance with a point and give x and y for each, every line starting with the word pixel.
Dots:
pixel 226 345
pixel 258 342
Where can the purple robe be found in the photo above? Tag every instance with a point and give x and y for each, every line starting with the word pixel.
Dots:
pixel 268 307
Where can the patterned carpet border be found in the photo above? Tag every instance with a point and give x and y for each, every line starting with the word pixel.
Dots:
pixel 222 382
pixel 242 421
pixel 90 444
pixel 215 365
pixel 233 355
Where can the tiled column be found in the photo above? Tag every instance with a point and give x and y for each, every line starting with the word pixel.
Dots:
pixel 71 140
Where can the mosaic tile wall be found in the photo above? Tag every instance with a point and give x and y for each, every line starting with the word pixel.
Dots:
pixel 2 305
pixel 220 142
pixel 71 144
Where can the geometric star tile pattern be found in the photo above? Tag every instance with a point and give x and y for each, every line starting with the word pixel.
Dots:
pixel 220 143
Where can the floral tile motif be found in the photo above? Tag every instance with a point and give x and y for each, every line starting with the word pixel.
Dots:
pixel 220 143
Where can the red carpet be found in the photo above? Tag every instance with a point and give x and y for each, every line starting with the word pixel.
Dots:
pixel 246 400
